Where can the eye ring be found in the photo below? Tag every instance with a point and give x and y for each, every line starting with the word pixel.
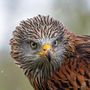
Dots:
pixel 33 45
pixel 55 43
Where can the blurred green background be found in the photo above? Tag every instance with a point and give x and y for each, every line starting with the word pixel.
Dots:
pixel 75 15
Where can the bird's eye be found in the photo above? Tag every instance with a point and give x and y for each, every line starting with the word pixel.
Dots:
pixel 55 43
pixel 33 45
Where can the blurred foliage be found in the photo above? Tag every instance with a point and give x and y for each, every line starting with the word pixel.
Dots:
pixel 74 14
pixel 11 76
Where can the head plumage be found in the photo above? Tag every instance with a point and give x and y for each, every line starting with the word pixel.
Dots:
pixel 39 27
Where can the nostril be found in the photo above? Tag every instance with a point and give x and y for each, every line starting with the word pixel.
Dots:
pixel 44 49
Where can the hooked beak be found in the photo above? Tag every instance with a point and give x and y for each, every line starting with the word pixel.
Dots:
pixel 45 51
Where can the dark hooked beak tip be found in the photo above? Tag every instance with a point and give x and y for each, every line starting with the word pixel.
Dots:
pixel 48 56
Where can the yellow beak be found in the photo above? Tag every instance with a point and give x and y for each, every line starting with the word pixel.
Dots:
pixel 44 49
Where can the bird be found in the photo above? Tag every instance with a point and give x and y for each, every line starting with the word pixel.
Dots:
pixel 51 56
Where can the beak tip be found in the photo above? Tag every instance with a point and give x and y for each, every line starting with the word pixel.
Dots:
pixel 48 56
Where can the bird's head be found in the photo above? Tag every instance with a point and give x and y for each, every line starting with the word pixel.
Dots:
pixel 39 45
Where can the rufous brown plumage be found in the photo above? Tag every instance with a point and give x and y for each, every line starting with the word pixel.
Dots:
pixel 52 57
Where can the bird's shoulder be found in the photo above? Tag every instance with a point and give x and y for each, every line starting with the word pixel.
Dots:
pixel 83 46
pixel 74 72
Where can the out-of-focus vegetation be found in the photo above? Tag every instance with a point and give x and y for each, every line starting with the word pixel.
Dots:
pixel 75 14
pixel 11 77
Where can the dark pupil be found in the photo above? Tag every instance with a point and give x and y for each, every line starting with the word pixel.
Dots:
pixel 33 45
pixel 55 43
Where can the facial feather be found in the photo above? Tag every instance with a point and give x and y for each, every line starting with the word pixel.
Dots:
pixel 40 30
